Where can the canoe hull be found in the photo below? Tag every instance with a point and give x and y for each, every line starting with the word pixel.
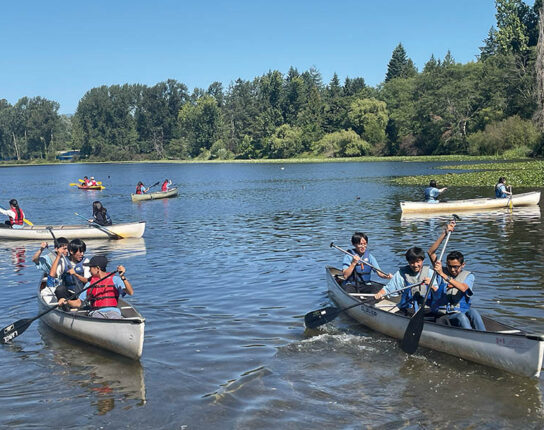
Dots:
pixel 517 352
pixel 123 336
pixel 155 196
pixel 92 188
pixel 40 232
pixel 526 199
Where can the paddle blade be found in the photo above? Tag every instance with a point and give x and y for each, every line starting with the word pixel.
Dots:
pixel 322 316
pixel 74 185
pixel 12 331
pixel 410 341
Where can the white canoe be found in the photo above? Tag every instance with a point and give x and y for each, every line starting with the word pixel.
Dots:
pixel 525 199
pixel 122 336
pixel 501 346
pixel 41 232
pixel 154 196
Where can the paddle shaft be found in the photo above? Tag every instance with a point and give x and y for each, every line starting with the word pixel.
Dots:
pixel 410 340
pixel 17 328
pixel 361 261
pixel 99 227
pixel 322 316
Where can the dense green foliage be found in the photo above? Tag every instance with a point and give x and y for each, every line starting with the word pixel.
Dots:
pixel 522 173
pixel 485 107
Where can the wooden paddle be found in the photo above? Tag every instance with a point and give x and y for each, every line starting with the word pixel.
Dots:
pixel 11 331
pixel 410 341
pixel 110 233
pixel 362 261
pixel 322 316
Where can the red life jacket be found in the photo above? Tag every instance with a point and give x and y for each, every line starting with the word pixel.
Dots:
pixel 19 215
pixel 138 189
pixel 164 186
pixel 103 295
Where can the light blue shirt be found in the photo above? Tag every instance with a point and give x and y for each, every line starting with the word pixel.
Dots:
pixel 398 282
pixel 371 260
pixel 431 193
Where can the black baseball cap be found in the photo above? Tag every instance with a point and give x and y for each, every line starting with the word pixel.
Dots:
pixel 97 261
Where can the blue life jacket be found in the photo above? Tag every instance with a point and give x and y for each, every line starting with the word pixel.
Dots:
pixel 429 196
pixel 499 191
pixel 363 274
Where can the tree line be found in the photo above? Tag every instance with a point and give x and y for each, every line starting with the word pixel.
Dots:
pixel 489 106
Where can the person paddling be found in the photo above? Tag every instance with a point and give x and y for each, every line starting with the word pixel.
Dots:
pixel 432 192
pixel 166 184
pixel 15 214
pixel 500 189
pixel 355 272
pixel 74 274
pixel 451 303
pixel 415 272
pixel 100 214
pixel 92 182
pixel 104 297
pixel 140 188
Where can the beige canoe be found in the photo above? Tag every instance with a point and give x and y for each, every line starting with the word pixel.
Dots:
pixel 89 231
pixel 526 199
pixel 123 336
pixel 154 196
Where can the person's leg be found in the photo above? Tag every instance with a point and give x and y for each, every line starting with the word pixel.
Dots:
pixel 475 319
pixel 459 320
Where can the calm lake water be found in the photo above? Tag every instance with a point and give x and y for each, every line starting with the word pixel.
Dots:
pixel 224 275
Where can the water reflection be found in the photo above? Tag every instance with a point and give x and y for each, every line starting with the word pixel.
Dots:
pixel 108 377
pixel 18 258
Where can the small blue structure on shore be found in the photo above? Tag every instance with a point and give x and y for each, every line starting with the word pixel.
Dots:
pixel 67 155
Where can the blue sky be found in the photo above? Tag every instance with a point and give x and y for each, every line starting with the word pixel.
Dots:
pixel 61 49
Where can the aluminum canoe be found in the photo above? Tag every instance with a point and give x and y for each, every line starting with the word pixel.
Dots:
pixel 501 346
pixel 154 196
pixel 525 199
pixel 41 232
pixel 122 336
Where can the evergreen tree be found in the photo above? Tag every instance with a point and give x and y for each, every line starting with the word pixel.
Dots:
pixel 400 66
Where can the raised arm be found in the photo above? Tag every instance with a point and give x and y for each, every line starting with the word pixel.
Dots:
pixel 432 250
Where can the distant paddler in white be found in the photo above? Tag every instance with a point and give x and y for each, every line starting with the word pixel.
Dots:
pixel 103 297
pixel 432 192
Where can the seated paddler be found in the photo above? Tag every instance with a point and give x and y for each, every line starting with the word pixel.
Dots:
pixel 103 297
pixel 452 301
pixel 432 192
pixel 500 189
pixel 413 273
pixel 356 273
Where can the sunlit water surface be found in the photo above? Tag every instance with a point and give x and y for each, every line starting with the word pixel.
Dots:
pixel 224 275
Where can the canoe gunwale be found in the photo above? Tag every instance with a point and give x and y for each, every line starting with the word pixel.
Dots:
pixel 76 325
pixel 510 349
pixel 525 199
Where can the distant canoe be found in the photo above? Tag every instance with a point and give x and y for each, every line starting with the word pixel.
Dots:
pixel 154 196
pixel 122 336
pixel 41 232
pixel 526 199
pixel 91 187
